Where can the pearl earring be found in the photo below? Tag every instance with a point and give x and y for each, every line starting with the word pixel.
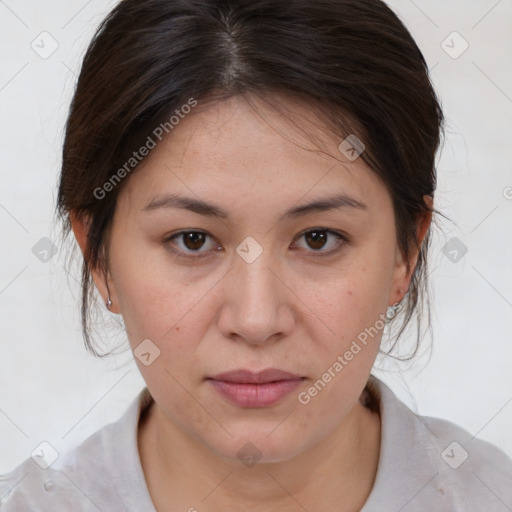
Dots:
pixel 390 313
pixel 108 303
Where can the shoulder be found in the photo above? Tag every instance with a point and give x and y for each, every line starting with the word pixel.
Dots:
pixel 102 473
pixel 478 467
pixel 429 463
pixel 77 480
pixel 462 447
pixel 34 486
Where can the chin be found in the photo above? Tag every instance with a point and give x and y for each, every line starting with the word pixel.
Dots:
pixel 253 446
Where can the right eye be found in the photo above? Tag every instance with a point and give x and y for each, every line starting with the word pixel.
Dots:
pixel 186 243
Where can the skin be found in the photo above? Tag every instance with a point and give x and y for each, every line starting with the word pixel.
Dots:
pixel 287 309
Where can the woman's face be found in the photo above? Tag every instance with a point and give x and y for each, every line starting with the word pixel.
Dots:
pixel 265 283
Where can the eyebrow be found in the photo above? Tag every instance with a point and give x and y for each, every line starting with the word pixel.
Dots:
pixel 211 210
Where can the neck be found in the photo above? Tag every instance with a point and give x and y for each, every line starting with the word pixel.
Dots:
pixel 336 473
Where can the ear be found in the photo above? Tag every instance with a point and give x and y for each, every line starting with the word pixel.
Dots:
pixel 402 278
pixel 102 280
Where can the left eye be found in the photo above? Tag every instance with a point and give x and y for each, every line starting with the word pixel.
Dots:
pixel 322 240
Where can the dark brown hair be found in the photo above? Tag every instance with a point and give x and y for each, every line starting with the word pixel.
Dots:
pixel 354 59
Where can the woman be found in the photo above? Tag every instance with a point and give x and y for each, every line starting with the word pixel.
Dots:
pixel 251 185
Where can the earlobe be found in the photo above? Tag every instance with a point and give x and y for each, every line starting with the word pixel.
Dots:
pixel 401 279
pixel 80 226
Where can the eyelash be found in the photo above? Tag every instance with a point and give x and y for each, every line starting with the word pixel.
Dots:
pixel 195 255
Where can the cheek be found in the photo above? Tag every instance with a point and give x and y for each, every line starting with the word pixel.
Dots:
pixel 153 294
pixel 351 307
pixel 351 299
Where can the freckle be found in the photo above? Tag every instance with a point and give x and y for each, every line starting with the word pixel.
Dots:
pixel 177 328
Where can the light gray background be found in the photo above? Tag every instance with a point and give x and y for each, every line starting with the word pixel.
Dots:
pixel 52 390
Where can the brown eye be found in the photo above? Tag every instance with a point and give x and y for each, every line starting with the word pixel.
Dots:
pixel 321 241
pixel 193 240
pixel 191 243
pixel 316 239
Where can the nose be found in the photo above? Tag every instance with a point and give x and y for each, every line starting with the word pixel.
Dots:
pixel 256 305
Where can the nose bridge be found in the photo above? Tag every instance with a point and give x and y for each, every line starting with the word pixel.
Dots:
pixel 255 284
pixel 255 309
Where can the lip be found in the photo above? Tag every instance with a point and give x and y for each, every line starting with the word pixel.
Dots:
pixel 262 377
pixel 255 389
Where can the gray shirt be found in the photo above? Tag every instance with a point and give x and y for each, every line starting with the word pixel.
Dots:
pixel 425 464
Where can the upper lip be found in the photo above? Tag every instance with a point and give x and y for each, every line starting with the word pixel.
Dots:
pixel 261 377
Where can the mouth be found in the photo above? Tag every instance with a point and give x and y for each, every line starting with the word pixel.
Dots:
pixel 247 389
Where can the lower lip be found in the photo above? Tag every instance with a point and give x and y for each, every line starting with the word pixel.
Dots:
pixel 255 395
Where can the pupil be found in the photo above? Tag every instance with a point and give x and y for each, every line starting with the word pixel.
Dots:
pixel 194 240
pixel 316 239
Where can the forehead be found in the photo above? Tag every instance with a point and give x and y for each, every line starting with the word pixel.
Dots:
pixel 245 148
